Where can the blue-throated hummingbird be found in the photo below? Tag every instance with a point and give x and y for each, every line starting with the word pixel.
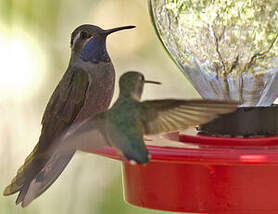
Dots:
pixel 85 89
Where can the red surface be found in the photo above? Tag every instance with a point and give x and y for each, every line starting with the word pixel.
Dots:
pixel 220 175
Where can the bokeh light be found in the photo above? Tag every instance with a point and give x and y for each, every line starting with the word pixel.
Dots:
pixel 23 64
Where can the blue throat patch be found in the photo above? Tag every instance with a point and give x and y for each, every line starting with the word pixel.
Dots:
pixel 94 51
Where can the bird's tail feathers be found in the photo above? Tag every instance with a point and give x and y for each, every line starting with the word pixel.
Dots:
pixel 36 175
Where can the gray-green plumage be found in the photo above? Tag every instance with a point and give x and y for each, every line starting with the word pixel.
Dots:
pixel 86 89
pixel 124 125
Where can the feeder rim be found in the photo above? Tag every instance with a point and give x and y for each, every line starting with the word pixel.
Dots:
pixel 212 150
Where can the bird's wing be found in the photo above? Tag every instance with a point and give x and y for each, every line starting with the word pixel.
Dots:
pixel 63 107
pixel 86 135
pixel 170 115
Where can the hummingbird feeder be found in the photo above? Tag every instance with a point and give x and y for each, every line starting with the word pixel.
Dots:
pixel 229 51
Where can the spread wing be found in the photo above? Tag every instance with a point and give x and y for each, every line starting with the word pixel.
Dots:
pixel 87 135
pixel 62 109
pixel 171 115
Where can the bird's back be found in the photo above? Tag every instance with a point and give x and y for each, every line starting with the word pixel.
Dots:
pixel 125 130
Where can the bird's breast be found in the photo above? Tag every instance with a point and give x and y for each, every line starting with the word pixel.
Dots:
pixel 100 89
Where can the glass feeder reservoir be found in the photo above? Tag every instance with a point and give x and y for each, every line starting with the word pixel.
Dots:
pixel 227 48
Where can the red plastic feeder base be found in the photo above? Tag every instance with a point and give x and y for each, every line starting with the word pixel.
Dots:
pixel 206 175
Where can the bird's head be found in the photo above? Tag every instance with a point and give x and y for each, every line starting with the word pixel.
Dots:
pixel 88 42
pixel 132 84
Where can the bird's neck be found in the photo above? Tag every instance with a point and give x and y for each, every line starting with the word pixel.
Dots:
pixel 131 96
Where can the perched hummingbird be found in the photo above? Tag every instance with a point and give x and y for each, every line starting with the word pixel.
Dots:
pixel 125 123
pixel 86 89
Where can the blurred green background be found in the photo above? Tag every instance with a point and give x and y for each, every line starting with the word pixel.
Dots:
pixel 34 53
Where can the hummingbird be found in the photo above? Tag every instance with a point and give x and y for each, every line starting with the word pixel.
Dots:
pixel 85 89
pixel 124 125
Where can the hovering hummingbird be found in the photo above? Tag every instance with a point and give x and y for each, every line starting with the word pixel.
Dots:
pixel 125 123
pixel 86 89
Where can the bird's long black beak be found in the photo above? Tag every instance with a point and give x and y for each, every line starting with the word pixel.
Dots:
pixel 153 82
pixel 107 32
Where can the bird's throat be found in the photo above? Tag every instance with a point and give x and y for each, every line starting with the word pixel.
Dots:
pixel 95 51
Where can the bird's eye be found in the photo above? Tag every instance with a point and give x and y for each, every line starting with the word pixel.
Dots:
pixel 84 35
